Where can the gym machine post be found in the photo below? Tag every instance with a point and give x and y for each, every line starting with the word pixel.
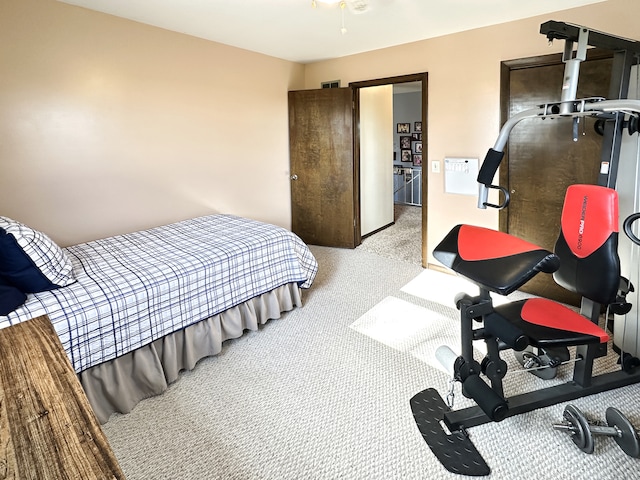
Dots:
pixel 454 448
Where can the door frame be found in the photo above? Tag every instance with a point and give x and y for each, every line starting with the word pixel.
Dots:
pixel 356 86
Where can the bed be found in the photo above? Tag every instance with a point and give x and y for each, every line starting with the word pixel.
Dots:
pixel 134 310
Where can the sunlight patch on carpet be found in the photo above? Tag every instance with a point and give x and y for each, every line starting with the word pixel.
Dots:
pixel 410 328
pixel 442 288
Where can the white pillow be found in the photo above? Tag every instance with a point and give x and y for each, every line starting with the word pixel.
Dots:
pixel 52 262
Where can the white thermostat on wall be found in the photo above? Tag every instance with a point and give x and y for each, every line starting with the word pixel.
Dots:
pixel 461 176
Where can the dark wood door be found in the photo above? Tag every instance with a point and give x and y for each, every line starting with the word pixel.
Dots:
pixel 323 186
pixel 543 158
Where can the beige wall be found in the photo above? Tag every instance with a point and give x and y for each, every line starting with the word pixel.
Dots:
pixel 109 126
pixel 464 90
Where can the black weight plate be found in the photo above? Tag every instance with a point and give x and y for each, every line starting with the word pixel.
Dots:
pixel 628 440
pixel 581 434
pixel 541 363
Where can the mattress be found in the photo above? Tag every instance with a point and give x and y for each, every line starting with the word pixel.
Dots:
pixel 135 288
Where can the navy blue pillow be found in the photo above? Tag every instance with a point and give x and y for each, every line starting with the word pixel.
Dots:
pixel 30 260
pixel 10 298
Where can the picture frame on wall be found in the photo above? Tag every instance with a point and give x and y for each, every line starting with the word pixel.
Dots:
pixel 404 128
pixel 417 127
pixel 405 155
pixel 417 146
pixel 416 137
pixel 417 159
pixel 405 143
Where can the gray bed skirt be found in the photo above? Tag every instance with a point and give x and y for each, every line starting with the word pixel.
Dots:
pixel 118 385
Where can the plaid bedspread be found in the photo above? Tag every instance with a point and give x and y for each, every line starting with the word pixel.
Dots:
pixel 135 288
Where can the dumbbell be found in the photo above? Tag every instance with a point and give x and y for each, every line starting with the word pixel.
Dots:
pixel 582 431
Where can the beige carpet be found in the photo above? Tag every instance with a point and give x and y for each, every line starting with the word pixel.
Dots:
pixel 323 393
pixel 402 240
pixel 410 328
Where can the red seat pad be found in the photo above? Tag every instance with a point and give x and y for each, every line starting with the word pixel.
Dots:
pixel 589 217
pixel 478 243
pixel 548 313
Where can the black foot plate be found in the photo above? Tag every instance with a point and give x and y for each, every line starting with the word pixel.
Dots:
pixel 455 451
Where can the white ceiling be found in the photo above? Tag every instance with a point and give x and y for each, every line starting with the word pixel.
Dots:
pixel 293 30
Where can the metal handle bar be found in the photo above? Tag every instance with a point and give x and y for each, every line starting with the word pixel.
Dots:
pixel 507 198
pixel 628 222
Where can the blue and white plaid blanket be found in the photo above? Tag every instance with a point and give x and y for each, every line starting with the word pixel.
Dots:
pixel 135 288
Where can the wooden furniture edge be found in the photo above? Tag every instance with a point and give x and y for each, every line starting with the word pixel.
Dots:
pixel 47 427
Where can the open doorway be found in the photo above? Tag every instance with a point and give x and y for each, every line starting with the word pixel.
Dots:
pixel 402 235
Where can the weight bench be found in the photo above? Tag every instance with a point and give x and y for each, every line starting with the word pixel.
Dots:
pixel 538 330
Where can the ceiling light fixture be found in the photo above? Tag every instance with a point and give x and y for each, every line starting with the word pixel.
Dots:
pixel 342 4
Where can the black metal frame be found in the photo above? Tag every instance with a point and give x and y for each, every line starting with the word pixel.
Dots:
pixel 582 384
pixel 626 54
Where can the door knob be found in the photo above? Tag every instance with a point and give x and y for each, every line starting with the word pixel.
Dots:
pixel 294 177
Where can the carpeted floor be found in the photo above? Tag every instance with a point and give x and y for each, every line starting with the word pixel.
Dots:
pixel 323 393
pixel 402 240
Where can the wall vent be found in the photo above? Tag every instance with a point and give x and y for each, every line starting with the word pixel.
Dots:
pixel 331 84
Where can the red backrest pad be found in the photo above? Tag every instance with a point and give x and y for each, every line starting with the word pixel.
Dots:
pixel 589 216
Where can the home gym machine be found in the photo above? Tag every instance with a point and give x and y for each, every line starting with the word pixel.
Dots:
pixel 585 260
